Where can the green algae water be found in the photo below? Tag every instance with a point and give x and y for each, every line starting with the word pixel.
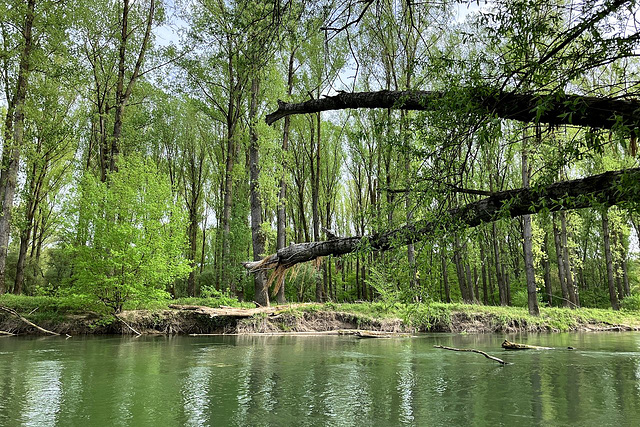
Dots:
pixel 318 381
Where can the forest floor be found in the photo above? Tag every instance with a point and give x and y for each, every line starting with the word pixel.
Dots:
pixel 208 316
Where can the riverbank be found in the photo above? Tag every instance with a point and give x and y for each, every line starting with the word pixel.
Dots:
pixel 201 316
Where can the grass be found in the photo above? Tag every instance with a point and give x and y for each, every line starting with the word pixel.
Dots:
pixel 420 316
pixel 424 316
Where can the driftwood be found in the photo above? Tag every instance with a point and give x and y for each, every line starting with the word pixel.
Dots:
pixel 238 312
pixel 128 325
pixel 15 313
pixel 609 188
pixel 508 345
pixel 555 109
pixel 472 350
pixel 7 334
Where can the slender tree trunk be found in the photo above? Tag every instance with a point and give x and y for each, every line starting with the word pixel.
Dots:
pixel 485 296
pixel 460 270
pixel 527 236
pixel 193 242
pixel 282 195
pixel 625 269
pixel 204 241
pixel 476 284
pixel 571 287
pixel 13 142
pixel 609 260
pixel 502 289
pixel 445 274
pixel 261 295
pixel 547 269
pixel 566 301
pixel 231 122
pixel 468 283
pixel 35 183
pixel 123 92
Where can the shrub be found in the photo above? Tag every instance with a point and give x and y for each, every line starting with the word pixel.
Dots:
pixel 132 237
pixel 631 302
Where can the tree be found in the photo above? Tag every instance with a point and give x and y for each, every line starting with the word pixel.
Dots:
pixel 135 236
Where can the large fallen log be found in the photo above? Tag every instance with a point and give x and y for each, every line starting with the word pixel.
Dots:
pixel 555 109
pixel 508 345
pixel 609 188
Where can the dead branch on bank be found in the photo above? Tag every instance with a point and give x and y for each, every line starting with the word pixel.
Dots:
pixel 472 350
pixel 128 325
pixel 15 313
pixel 7 334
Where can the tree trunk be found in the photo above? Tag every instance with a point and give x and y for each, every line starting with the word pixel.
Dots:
pixel 502 292
pixel 566 301
pixel 445 275
pixel 35 183
pixel 261 295
pixel 625 269
pixel 457 259
pixel 546 265
pixel 485 295
pixel 231 123
pixel 607 188
pixel 192 233
pixel 568 273
pixel 559 108
pixel 527 237
pixel 13 142
pixel 282 195
pixel 609 260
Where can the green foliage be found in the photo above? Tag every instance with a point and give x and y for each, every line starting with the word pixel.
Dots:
pixel 73 304
pixel 133 236
pixel 631 303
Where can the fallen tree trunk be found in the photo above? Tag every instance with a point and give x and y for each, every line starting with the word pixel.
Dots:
pixel 607 189
pixel 555 109
pixel 472 350
pixel 508 345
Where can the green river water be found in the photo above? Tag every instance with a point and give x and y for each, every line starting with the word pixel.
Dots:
pixel 321 380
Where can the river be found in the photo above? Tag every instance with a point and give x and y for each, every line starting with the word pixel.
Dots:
pixel 321 380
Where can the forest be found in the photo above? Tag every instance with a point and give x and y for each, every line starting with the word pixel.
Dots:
pixel 483 152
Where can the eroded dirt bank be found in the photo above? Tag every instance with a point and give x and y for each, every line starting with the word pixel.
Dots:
pixel 293 319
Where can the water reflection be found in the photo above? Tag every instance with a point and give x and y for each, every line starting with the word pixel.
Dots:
pixel 43 391
pixel 312 381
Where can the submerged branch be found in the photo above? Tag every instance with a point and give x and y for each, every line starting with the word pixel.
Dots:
pixel 554 109
pixel 609 188
pixel 472 350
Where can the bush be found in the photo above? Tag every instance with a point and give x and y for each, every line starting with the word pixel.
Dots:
pixel 631 302
pixel 132 237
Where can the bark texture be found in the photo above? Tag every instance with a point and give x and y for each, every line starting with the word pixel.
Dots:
pixel 556 109
pixel 608 188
